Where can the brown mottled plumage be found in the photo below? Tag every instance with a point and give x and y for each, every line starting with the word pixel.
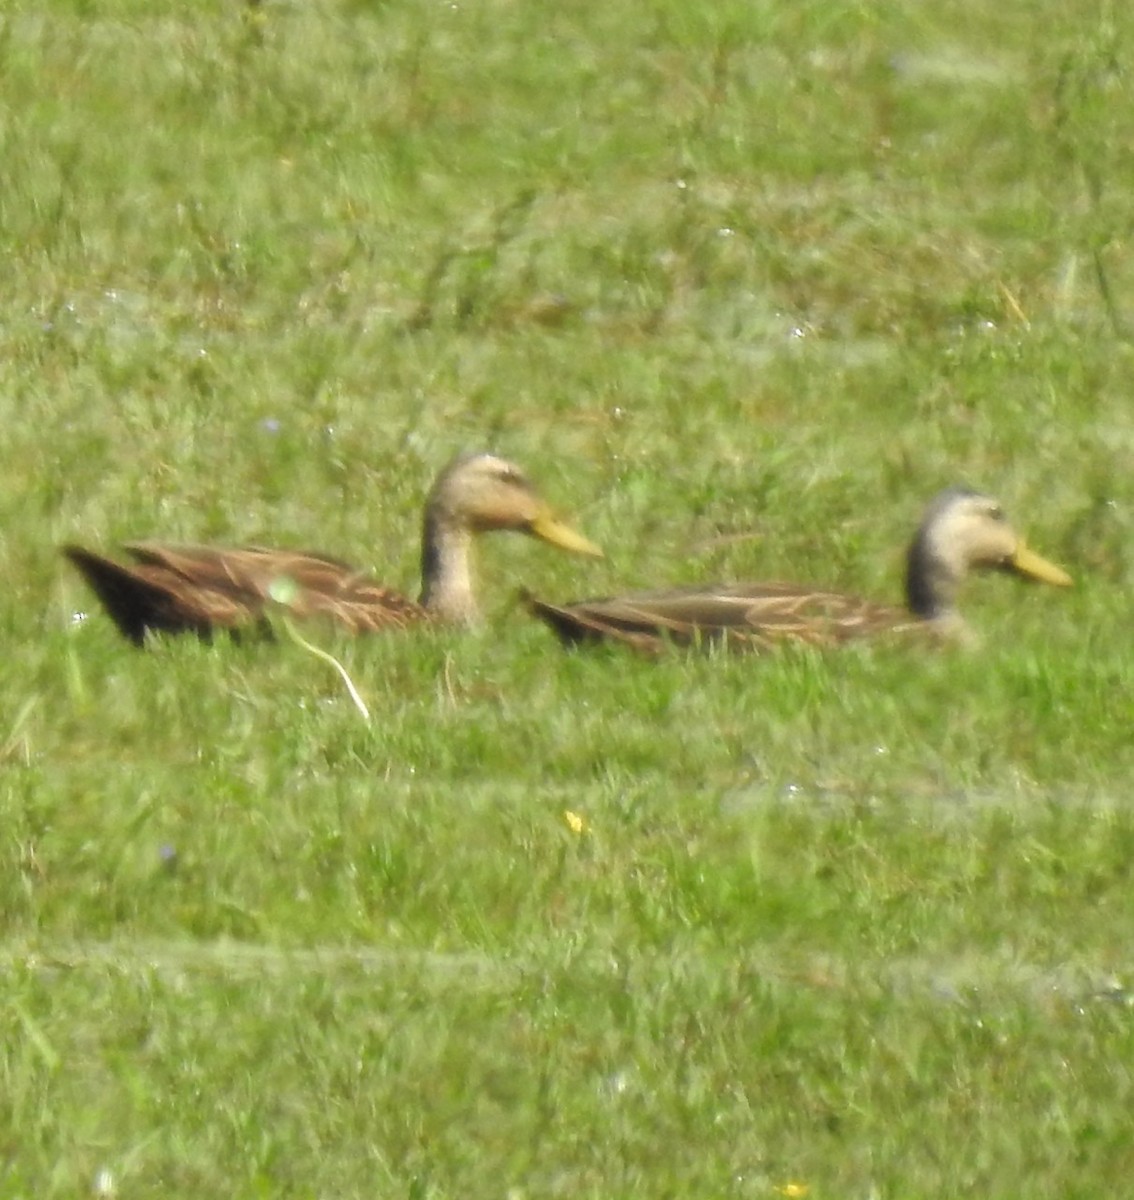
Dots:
pixel 961 531
pixel 199 589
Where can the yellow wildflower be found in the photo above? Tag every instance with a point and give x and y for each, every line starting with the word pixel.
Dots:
pixel 574 822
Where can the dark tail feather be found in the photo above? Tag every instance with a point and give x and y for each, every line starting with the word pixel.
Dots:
pixel 133 604
pixel 578 625
pixel 569 631
pixel 571 626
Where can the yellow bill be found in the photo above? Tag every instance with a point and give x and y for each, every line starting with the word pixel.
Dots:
pixel 549 528
pixel 1025 562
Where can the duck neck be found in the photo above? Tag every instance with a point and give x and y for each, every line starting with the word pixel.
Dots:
pixel 931 587
pixel 446 572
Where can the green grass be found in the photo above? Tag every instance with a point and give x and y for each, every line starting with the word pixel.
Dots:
pixel 740 285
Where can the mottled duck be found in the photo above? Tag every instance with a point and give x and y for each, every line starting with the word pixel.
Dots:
pixel 201 589
pixel 962 530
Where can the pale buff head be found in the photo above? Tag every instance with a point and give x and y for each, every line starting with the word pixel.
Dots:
pixel 961 531
pixel 474 494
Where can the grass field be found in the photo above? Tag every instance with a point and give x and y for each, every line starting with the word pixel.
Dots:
pixel 741 285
